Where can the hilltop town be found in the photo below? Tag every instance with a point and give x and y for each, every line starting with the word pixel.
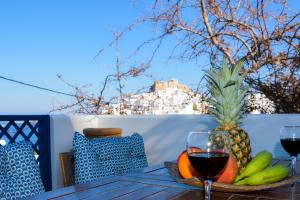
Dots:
pixel 164 97
pixel 172 97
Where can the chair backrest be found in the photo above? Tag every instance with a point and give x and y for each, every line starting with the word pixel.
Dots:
pixel 102 132
pixel 67 159
pixel 35 129
pixel 67 168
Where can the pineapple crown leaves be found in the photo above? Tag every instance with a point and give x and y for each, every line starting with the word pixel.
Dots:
pixel 227 93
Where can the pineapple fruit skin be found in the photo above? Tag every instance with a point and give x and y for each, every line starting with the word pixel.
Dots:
pixel 240 147
pixel 238 144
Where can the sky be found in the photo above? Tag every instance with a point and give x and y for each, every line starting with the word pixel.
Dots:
pixel 42 39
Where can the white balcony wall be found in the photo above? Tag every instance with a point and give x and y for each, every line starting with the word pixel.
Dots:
pixel 62 128
pixel 165 135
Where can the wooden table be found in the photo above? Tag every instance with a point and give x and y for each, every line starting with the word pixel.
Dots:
pixel 155 183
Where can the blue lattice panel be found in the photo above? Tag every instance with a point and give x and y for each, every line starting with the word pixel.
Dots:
pixel 35 129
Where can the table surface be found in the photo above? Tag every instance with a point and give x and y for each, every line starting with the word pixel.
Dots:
pixel 156 183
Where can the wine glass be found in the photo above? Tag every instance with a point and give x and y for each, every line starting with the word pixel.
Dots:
pixel 207 157
pixel 290 140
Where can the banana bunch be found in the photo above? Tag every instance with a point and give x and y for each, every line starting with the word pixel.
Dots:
pixel 258 172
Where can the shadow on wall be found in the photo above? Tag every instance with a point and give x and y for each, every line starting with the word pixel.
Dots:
pixel 167 139
pixel 61 141
pixel 264 132
pixel 279 151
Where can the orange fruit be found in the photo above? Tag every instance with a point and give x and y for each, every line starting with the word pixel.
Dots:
pixel 185 168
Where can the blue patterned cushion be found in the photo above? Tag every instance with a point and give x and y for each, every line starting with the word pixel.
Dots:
pixel 21 171
pixel 100 157
pixel 2 173
pixel 85 159
pixel 137 151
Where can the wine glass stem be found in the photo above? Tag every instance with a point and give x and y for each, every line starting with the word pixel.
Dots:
pixel 207 186
pixel 294 160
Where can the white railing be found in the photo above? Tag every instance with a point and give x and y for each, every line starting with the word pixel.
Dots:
pixel 164 135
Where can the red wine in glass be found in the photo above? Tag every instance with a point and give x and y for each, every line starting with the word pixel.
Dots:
pixel 210 161
pixel 291 145
pixel 209 164
pixel 290 141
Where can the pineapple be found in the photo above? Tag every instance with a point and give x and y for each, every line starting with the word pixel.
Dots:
pixel 227 99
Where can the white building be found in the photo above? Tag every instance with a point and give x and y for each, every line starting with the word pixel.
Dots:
pixel 168 97
pixel 258 103
pixel 171 97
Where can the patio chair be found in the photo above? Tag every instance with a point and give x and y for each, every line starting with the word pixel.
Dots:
pixel 19 171
pixel 102 157
pixel 67 158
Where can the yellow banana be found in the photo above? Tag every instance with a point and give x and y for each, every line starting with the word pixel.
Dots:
pixel 268 175
pixel 260 162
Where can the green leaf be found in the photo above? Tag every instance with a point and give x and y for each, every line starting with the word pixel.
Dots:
pixel 213 83
pixel 226 86
pixel 229 83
